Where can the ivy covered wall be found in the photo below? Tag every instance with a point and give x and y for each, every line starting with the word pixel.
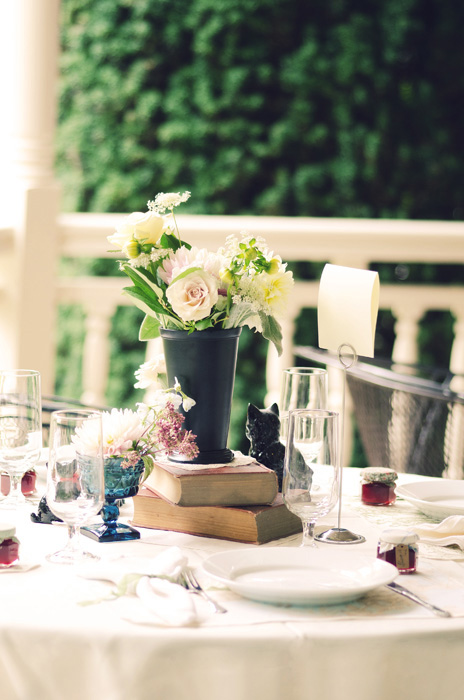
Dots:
pixel 296 107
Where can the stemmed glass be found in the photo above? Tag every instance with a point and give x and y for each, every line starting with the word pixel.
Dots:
pixel 302 387
pixel 20 428
pixel 312 468
pixel 75 477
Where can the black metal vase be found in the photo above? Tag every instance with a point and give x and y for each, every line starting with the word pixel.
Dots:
pixel 204 363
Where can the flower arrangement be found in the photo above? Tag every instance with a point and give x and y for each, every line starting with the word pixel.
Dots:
pixel 185 288
pixel 136 435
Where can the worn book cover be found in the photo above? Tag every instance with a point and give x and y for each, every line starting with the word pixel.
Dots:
pixel 250 524
pixel 244 481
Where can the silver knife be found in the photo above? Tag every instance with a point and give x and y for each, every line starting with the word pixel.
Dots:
pixel 412 596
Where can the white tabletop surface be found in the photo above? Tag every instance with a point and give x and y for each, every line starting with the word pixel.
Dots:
pixel 381 646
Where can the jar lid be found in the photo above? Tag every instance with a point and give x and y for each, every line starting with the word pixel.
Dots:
pixel 7 530
pixel 380 474
pixel 399 535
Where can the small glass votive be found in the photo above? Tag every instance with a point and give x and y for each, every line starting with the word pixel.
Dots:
pixel 9 545
pixel 378 486
pixel 27 483
pixel 398 546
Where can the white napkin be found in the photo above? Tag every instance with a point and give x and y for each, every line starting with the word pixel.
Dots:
pixel 164 602
pixel 449 531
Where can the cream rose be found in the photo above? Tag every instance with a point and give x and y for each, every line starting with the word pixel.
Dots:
pixel 193 296
pixel 144 227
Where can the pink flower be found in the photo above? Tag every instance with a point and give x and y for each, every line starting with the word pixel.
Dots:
pixel 183 258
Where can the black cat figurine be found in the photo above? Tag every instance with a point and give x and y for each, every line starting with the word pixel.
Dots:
pixel 44 514
pixel 263 432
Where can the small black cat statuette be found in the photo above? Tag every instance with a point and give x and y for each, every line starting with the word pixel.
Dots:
pixel 44 514
pixel 263 432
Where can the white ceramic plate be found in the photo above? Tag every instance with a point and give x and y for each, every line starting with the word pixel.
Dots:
pixel 439 498
pixel 298 575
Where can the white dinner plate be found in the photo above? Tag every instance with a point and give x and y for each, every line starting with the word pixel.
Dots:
pixel 299 576
pixel 439 498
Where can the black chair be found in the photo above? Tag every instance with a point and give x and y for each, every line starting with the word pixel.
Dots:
pixel 409 417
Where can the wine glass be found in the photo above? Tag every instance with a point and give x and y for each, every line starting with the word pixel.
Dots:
pixel 312 467
pixel 20 428
pixel 75 476
pixel 302 387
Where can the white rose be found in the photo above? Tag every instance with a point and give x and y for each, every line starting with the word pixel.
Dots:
pixel 144 227
pixel 149 372
pixel 193 296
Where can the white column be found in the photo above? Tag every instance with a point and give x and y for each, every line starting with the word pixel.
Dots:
pixel 96 354
pixel 30 197
pixel 454 440
pixel 275 365
pixel 406 330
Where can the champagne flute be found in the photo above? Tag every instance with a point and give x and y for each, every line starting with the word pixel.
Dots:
pixel 20 428
pixel 75 477
pixel 312 467
pixel 302 387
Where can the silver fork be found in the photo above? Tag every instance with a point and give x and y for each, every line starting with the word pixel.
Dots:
pixel 194 587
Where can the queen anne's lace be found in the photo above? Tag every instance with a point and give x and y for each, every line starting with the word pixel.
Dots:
pixel 167 200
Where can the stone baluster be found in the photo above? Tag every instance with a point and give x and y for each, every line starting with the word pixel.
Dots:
pixel 405 350
pixel 406 331
pixel 454 437
pixel 96 354
pixel 275 364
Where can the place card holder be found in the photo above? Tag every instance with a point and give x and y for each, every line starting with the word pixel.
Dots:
pixel 339 535
pixel 347 311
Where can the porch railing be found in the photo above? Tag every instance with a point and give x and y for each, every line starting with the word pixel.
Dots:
pixel 351 242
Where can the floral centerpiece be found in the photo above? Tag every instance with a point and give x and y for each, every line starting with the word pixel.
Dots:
pixel 131 440
pixel 182 287
pixel 198 301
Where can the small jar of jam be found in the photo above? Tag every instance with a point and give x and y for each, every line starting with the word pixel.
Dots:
pixel 398 546
pixel 27 482
pixel 378 486
pixel 9 545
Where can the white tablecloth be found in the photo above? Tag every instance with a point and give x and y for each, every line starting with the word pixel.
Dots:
pixel 382 647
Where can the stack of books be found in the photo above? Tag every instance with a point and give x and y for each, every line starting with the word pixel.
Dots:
pixel 237 501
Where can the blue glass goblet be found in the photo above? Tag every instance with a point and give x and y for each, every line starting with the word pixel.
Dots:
pixel 120 482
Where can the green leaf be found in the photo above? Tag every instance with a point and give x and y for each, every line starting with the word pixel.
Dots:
pixel 203 324
pixel 239 314
pixel 143 280
pixel 168 240
pixel 271 331
pixel 148 463
pixel 149 328
pixel 143 301
pixel 185 273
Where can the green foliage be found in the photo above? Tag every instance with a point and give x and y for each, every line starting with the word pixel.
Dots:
pixel 265 106
pixel 269 107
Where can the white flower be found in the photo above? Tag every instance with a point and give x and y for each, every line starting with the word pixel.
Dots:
pixel 142 227
pixel 167 200
pixel 192 297
pixel 121 428
pixel 148 373
pixel 161 398
pixel 144 259
pixel 188 403
pixel 276 289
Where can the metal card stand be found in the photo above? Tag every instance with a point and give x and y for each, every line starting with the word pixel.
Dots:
pixel 340 535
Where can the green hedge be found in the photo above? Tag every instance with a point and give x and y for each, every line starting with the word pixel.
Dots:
pixel 271 107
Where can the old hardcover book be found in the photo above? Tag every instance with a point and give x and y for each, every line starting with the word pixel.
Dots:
pixel 250 524
pixel 242 482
